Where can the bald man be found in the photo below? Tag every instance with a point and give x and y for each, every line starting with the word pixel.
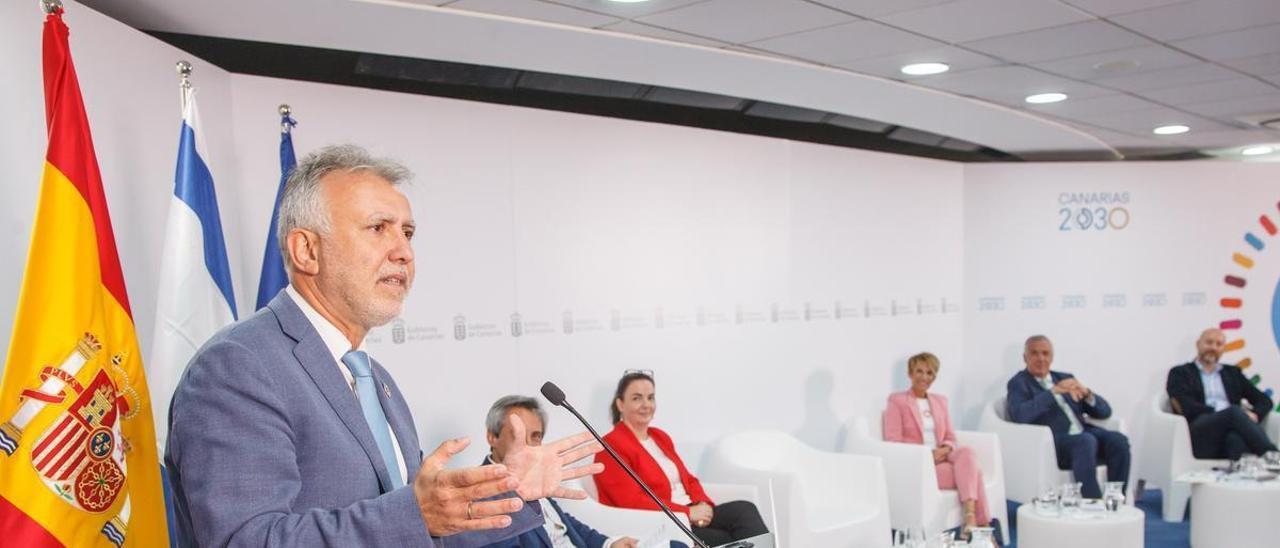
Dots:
pixel 1209 394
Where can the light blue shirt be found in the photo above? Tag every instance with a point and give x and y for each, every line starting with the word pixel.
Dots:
pixel 1215 395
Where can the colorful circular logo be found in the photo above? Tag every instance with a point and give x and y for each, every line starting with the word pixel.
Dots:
pixel 1262 325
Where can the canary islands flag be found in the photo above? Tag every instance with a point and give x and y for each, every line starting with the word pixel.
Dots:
pixel 195 297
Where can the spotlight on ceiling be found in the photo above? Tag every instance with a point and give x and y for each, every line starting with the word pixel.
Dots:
pixel 1043 98
pixel 925 69
pixel 1257 150
pixel 1174 129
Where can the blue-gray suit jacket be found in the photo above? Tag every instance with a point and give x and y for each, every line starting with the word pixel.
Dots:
pixel 268 447
pixel 1030 403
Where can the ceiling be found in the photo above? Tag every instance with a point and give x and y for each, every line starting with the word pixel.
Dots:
pixel 1126 65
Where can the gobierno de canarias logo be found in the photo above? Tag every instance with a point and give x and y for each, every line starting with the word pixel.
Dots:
pixel 1246 298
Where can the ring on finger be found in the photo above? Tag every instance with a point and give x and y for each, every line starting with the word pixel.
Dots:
pixel 469 514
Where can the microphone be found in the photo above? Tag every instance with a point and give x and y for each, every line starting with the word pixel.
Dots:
pixel 555 395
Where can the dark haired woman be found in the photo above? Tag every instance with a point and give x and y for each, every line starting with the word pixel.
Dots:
pixel 651 454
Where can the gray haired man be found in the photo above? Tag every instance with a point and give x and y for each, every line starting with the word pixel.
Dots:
pixel 284 432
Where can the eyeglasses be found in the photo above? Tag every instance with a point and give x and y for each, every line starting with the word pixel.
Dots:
pixel 645 372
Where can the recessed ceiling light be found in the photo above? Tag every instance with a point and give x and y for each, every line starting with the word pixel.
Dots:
pixel 1257 150
pixel 1118 65
pixel 1042 98
pixel 1171 129
pixel 628 1
pixel 925 69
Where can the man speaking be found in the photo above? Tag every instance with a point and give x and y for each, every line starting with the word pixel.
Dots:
pixel 284 432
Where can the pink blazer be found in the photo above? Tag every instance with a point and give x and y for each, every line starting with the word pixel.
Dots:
pixel 904 424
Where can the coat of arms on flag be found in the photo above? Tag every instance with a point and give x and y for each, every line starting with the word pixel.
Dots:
pixel 77 456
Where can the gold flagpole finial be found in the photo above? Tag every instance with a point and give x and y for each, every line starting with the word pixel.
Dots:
pixel 285 110
pixel 50 6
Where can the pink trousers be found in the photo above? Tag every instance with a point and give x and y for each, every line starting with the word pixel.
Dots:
pixel 961 472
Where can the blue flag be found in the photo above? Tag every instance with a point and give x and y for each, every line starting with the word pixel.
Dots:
pixel 273 276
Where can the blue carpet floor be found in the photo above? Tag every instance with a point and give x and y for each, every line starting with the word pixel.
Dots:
pixel 1158 533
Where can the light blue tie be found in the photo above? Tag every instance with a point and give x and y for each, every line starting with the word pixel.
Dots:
pixel 358 363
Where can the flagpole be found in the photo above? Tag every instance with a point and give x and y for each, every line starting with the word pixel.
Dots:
pixel 184 84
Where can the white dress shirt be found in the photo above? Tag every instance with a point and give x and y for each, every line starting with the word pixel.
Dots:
pixel 338 346
pixel 927 428
pixel 558 531
pixel 1215 394
pixel 669 469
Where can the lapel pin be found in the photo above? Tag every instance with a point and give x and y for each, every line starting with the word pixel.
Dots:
pixel 386 390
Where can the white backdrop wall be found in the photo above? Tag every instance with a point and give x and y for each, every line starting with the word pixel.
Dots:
pixel 1122 302
pixel 768 283
pixel 130 90
pixel 662 248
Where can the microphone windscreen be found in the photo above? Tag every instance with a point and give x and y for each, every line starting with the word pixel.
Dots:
pixel 553 393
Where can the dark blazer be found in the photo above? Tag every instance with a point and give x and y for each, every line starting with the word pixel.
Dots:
pixel 268 447
pixel 582 535
pixel 1186 391
pixel 1030 403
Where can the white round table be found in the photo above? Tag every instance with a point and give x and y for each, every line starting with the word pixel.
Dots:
pixel 1120 529
pixel 1240 514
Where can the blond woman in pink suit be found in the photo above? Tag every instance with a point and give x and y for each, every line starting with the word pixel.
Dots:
pixel 916 416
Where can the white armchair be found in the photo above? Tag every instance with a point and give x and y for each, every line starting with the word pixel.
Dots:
pixel 614 521
pixel 641 523
pixel 1166 454
pixel 1030 461
pixel 1273 427
pixel 915 501
pixel 822 498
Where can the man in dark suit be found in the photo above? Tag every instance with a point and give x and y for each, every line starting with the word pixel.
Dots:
pixel 284 432
pixel 559 527
pixel 1208 395
pixel 1037 395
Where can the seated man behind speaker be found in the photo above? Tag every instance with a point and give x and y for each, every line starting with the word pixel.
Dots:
pixel 1208 394
pixel 1058 400
pixel 559 528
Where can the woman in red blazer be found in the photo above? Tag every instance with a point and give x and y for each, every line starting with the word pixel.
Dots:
pixel 652 456
pixel 913 413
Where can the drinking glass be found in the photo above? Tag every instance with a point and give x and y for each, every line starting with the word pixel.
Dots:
pixel 916 538
pixel 946 539
pixel 982 537
pixel 1069 501
pixel 1113 496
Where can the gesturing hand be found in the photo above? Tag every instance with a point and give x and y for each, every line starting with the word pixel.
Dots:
pixel 540 469
pixel 445 497
pixel 625 542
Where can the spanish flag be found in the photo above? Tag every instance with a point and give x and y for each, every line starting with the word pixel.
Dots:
pixel 78 459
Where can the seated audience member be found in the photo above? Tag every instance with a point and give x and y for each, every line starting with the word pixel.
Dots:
pixel 651 454
pixel 1208 395
pixel 1037 395
pixel 559 529
pixel 919 417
